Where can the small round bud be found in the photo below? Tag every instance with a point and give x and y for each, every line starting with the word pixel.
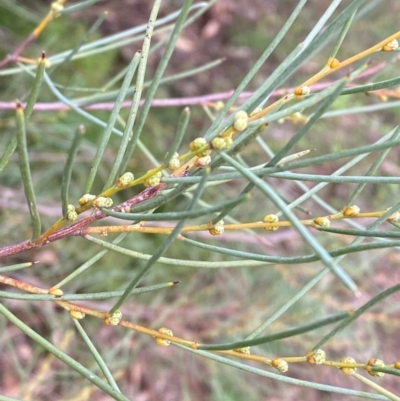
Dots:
pixel 244 350
pixel 240 124
pixel 219 105
pixel 397 365
pixel 375 363
pixel 393 217
pixel 391 46
pixel 86 198
pixel 348 370
pixel 241 114
pixel 203 161
pixel 322 222
pixel 125 180
pixel 351 211
pixel 302 91
pixel 162 341
pixel 334 63
pixel 316 357
pixel 56 8
pixel 55 291
pixel 153 180
pixel 71 213
pixel 271 218
pixel 76 314
pixel 174 163
pixel 240 120
pixel 101 201
pixel 197 144
pixel 114 318
pixel 218 143
pixel 255 111
pixel 218 228
pixel 280 364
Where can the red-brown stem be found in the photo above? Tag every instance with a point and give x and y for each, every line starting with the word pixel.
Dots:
pixel 76 228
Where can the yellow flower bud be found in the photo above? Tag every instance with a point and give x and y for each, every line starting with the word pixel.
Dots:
pixel 240 124
pixel 241 114
pixel 322 222
pixel 271 218
pixel 240 120
pixel 217 229
pixel 71 214
pixel 391 46
pixel 153 180
pixel 174 163
pixel 316 357
pixel 351 211
pixel 255 111
pixel 56 8
pixel 86 198
pixel 219 105
pixel 197 143
pixel 280 364
pixel 114 318
pixel 125 180
pixel 244 350
pixel 302 91
pixel 218 143
pixel 55 291
pixel 76 314
pixel 393 217
pixel 375 363
pixel 334 63
pixel 347 370
pixel 101 201
pixel 203 161
pixel 162 341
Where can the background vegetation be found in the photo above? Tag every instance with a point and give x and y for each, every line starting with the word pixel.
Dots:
pixel 212 303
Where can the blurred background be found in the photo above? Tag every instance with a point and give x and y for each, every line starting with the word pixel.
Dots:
pixel 209 305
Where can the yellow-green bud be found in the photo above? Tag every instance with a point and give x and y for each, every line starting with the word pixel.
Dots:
pixel 322 222
pixel 348 370
pixel 114 318
pixel 203 161
pixel 218 143
pixel 101 201
pixel 162 341
pixel 218 228
pixel 125 180
pixel 394 217
pixel 241 114
pixel 375 363
pixel 351 211
pixel 391 46
pixel 280 364
pixel 240 124
pixel 219 105
pixel 86 198
pixel 197 144
pixel 56 291
pixel 71 213
pixel 56 8
pixel 153 180
pixel 174 163
pixel 316 357
pixel 76 314
pixel 271 218
pixel 244 350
